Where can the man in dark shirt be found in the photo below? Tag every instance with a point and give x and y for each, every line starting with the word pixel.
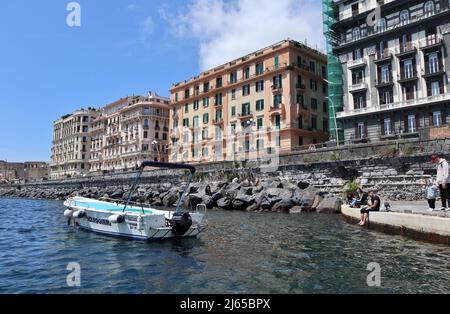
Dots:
pixel 373 207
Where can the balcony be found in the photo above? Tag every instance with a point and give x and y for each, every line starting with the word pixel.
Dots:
pixel 276 109
pixel 406 77
pixel 380 83
pixel 276 89
pixel 383 56
pixel 246 115
pixel 432 42
pixel 406 50
pixel 421 17
pixel 353 64
pixel 300 86
pixel 217 121
pixel 358 87
pixel 433 71
pixel 395 106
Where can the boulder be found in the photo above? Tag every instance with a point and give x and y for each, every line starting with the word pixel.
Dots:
pixel 233 189
pixel 283 206
pixel 296 210
pixel 117 194
pixel 303 185
pixel 225 203
pixel 330 205
pixel 170 198
pixel 192 200
pixel 242 202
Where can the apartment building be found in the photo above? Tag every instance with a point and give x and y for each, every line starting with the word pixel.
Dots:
pixel 128 132
pixel 395 67
pixel 270 101
pixel 71 144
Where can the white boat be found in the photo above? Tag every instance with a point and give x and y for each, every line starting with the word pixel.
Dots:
pixel 127 219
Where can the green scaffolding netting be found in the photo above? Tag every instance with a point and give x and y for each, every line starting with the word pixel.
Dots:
pixel 334 76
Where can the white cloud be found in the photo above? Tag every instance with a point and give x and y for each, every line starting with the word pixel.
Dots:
pixel 227 30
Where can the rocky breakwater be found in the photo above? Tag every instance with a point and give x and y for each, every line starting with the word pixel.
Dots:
pixel 271 195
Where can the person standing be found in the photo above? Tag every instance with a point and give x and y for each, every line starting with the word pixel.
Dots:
pixel 443 179
pixel 431 191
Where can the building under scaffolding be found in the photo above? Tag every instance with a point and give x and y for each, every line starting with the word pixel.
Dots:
pixel 335 79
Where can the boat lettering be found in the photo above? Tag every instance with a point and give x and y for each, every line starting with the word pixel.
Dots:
pixel 98 221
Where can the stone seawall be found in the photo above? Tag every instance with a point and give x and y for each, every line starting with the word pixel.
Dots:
pixel 397 170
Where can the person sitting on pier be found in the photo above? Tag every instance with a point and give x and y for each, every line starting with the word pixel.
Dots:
pixel 374 206
pixel 362 199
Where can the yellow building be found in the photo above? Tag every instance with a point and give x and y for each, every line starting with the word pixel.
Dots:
pixel 268 102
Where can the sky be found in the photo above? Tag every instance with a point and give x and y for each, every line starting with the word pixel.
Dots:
pixel 121 48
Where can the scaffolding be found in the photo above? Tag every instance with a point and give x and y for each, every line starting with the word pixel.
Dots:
pixel 334 75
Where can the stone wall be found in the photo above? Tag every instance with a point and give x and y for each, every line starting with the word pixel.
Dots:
pixel 396 169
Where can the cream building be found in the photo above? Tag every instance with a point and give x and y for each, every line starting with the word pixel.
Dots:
pixel 270 101
pixel 128 132
pixel 71 144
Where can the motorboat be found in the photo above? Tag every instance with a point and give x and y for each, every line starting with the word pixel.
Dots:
pixel 136 220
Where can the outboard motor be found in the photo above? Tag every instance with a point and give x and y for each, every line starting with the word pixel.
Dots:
pixel 180 223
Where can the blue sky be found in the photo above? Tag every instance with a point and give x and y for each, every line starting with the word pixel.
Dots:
pixel 123 47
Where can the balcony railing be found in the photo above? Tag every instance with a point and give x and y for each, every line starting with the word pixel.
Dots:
pixel 371 32
pixel 357 87
pixel 384 81
pixel 431 41
pixel 356 63
pixel 383 55
pixel 395 105
pixel 407 76
pixel 405 49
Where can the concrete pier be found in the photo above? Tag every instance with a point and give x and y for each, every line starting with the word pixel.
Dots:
pixel 419 224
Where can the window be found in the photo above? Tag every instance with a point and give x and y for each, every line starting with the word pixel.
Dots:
pixel 277 82
pixel 206 102
pixel 387 126
pixel 218 82
pixel 409 92
pixel 218 99
pixel 277 61
pixel 186 108
pixel 259 86
pixel 361 130
pixel 313 85
pixel 233 77
pixel 313 104
pixel 386 97
pixel 278 121
pixel 206 118
pixel 300 100
pixel 205 134
pixel 206 87
pixel 233 128
pixel 358 54
pixel 259 68
pixel 381 26
pixel 408 69
pixel 233 94
pixel 325 125
pixel 277 100
pixel 356 33
pixel 196 124
pixel 218 115
pixel 325 107
pixel 358 77
pixel 197 90
pixel 246 73
pixel 314 122
pixel 428 8
pixel 205 151
pixel 435 88
pixel 245 90
pixel 259 123
pixel 312 66
pixel 437 118
pixel 433 63
pixel 404 17
pixel 233 111
pixel 260 105
pixel 385 74
pixel 196 105
pixel 412 127
pixel 359 101
pixel 246 109
pixel 186 94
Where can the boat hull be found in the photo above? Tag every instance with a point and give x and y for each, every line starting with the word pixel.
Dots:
pixel 138 223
